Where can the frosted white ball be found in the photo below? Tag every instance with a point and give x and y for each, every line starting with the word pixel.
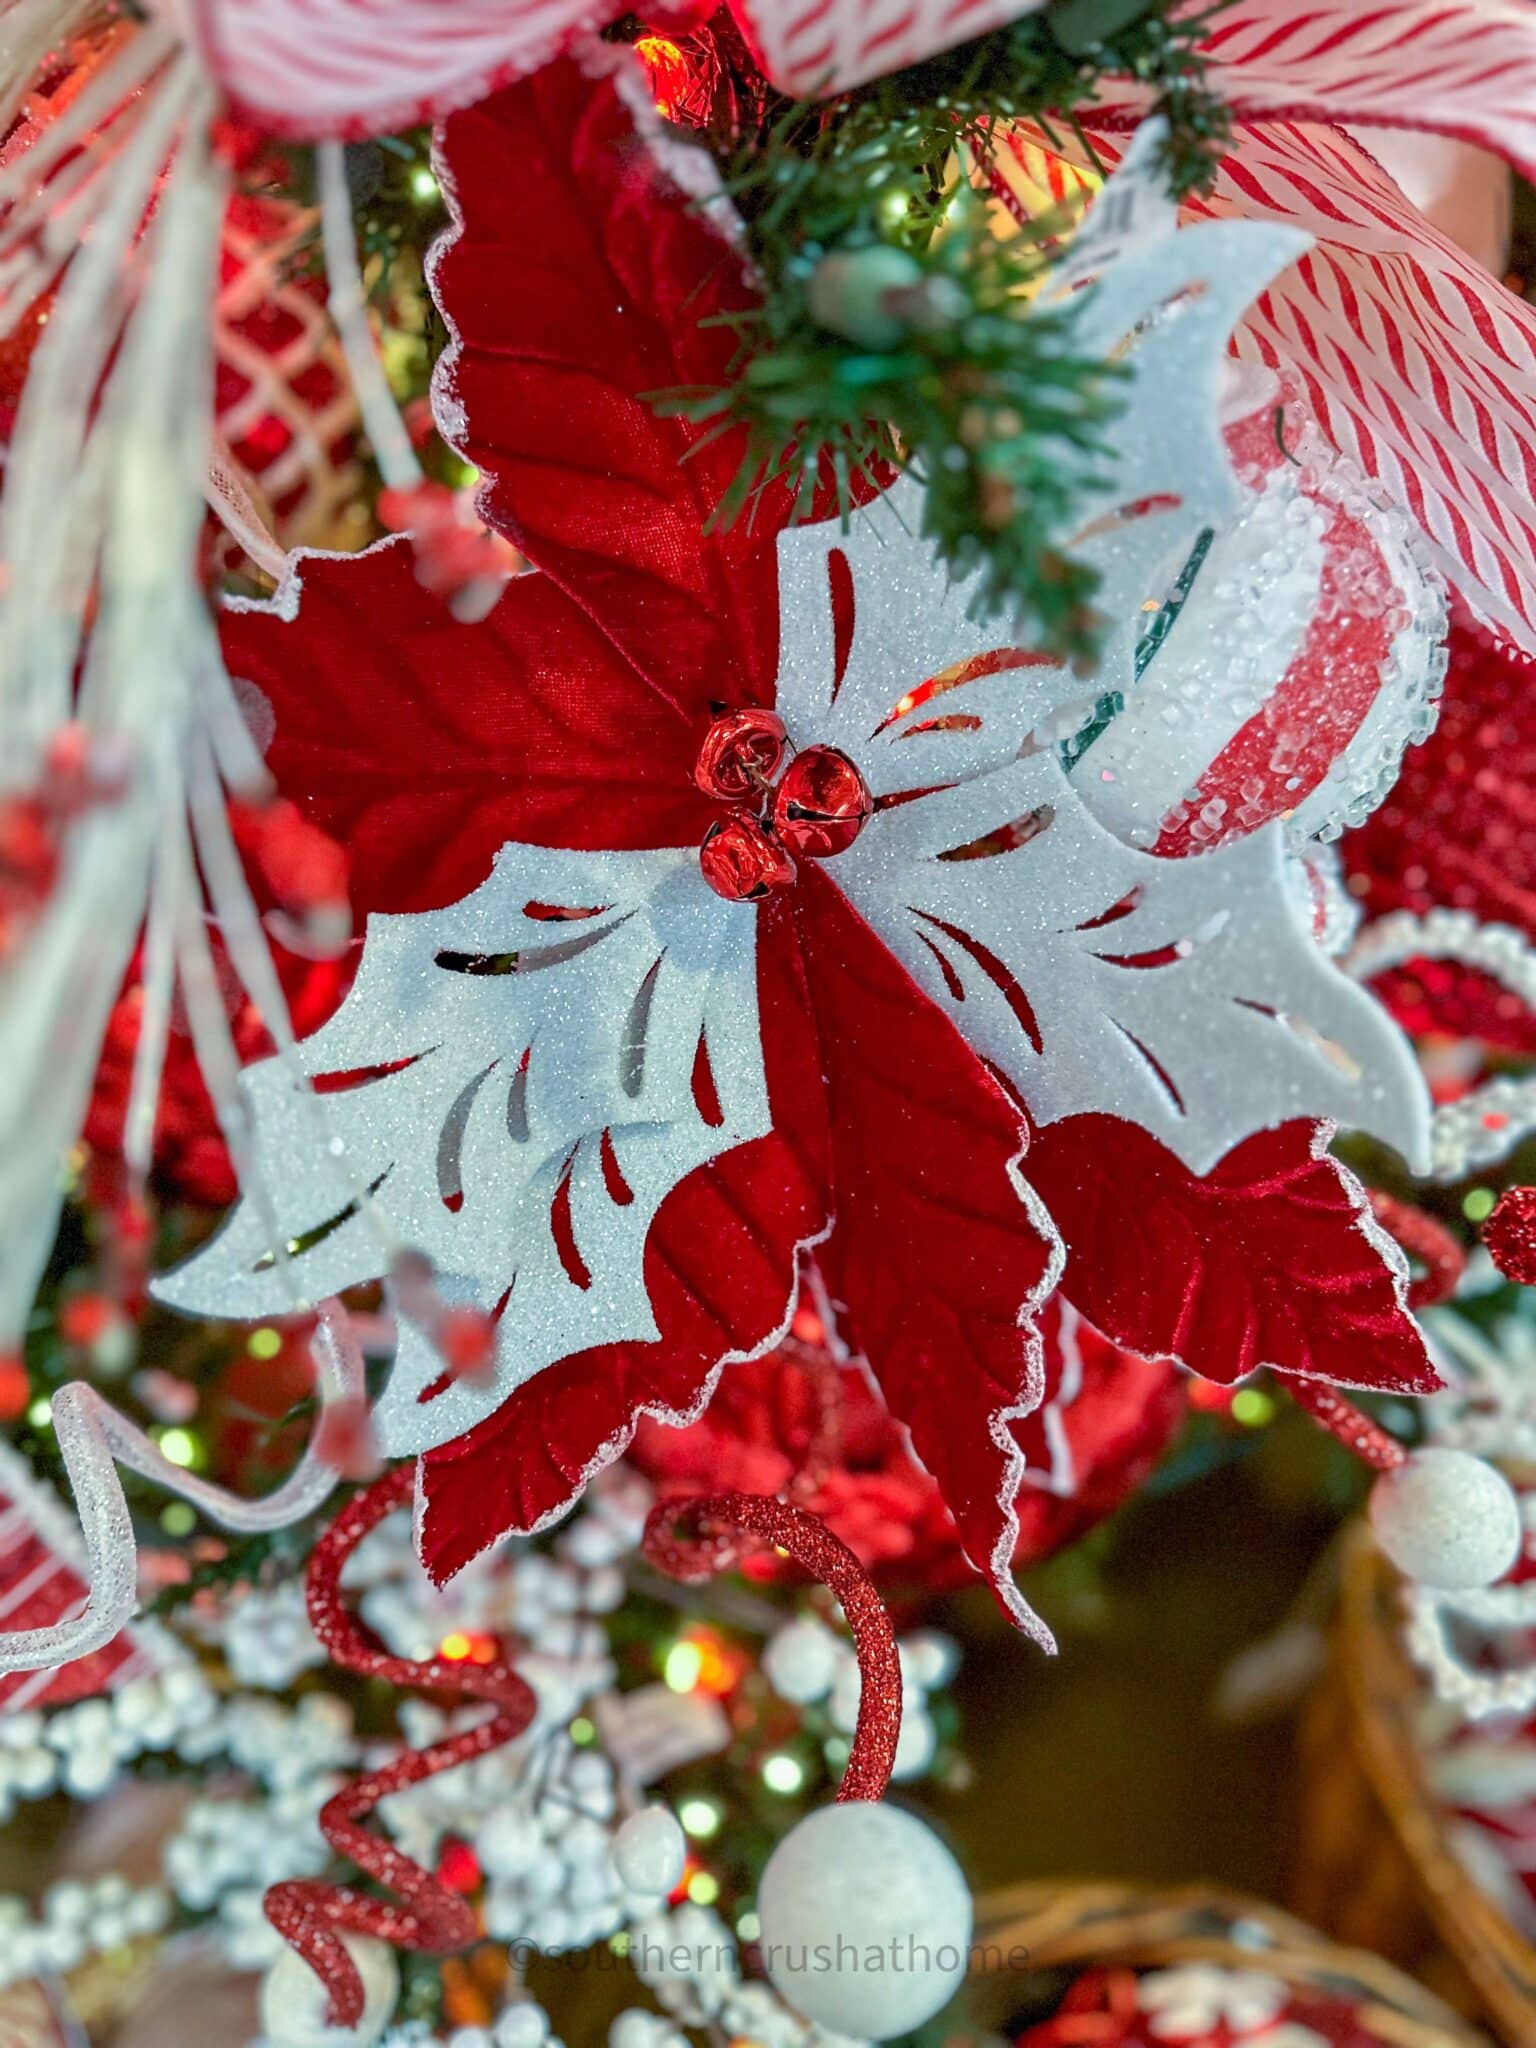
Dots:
pixel 866 1920
pixel 649 1852
pixel 916 1745
pixel 640 2029
pixel 1447 1519
pixel 523 2026
pixel 294 2003
pixel 508 1842
pixel 801 1662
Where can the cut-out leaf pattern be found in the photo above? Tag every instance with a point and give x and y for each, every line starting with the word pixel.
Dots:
pixel 1185 995
pixel 534 1099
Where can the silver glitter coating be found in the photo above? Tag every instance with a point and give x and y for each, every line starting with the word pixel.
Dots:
pixel 513 1095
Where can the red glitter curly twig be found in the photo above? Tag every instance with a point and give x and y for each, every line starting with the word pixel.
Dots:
pixel 1342 1419
pixel 311 1914
pixel 1425 1238
pixel 811 1544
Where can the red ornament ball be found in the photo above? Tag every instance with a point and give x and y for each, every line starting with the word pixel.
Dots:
pixel 1510 1235
pixel 742 863
pixel 741 754
pixel 822 805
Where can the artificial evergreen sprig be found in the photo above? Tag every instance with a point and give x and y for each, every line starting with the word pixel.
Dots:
pixel 899 354
pixel 895 326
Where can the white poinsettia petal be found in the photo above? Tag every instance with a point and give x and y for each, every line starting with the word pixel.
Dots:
pixel 1183 995
pixel 513 1087
pixel 1416 364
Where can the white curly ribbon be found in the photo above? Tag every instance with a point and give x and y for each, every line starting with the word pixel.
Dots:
pixel 348 304
pixel 119 202
pixel 1486 1125
pixel 95 1440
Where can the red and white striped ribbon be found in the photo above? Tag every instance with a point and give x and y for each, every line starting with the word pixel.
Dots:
pixel 1465 68
pixel 813 47
pixel 1414 362
pixel 341 70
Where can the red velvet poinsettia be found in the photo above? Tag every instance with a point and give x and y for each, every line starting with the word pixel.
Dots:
pixel 570 728
pixel 1107 1420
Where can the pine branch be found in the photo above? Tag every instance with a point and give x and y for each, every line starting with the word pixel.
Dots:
pixel 895 327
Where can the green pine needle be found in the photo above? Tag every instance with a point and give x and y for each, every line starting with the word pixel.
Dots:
pixel 992 404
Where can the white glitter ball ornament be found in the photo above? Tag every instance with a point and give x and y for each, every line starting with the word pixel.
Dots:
pixel 295 2004
pixel 1447 1519
pixel 649 1852
pixel 866 1920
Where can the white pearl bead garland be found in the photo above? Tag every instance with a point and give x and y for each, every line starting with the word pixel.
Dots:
pixel 853 1882
pixel 649 1852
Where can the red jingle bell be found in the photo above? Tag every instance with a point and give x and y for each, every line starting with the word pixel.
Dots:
pixel 822 805
pixel 741 863
pixel 741 754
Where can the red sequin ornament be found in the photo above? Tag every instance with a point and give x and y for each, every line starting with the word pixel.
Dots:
pixel 741 863
pixel 741 754
pixel 709 1547
pixel 822 805
pixel 1510 1235
pixel 428 1917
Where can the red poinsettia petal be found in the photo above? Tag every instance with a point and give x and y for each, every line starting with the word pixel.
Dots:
pixel 940 1253
pixel 424 745
pixel 580 278
pixel 721 1270
pixel 1106 1419
pixel 354 68
pixel 1272 1258
pixel 1465 68
pixel 1413 360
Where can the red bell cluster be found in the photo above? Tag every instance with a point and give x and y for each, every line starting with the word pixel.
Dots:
pixel 813 808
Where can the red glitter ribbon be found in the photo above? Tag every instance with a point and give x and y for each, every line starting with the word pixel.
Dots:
pixel 808 1540
pixel 311 1914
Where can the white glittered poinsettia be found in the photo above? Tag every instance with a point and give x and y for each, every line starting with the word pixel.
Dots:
pixel 620 1060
